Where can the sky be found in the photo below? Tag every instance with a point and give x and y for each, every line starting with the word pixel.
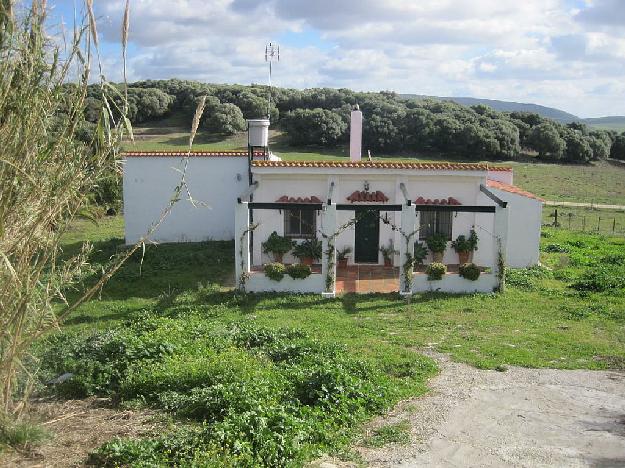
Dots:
pixel 568 54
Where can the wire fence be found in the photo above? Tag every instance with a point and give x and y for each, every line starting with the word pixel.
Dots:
pixel 586 220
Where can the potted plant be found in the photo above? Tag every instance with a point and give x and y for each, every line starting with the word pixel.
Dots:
pixel 298 271
pixel 388 253
pixel 437 245
pixel 277 246
pixel 419 253
pixel 275 271
pixel 342 256
pixel 308 251
pixel 435 271
pixel 469 271
pixel 465 246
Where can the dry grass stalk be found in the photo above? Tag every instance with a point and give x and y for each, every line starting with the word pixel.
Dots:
pixel 45 177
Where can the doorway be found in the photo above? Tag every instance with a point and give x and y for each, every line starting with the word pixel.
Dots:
pixel 367 238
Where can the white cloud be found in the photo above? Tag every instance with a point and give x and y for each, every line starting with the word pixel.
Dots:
pixel 543 51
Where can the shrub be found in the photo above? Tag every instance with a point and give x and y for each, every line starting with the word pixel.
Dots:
pixel 277 245
pixel 435 271
pixel 599 279
pixel 274 271
pixel 437 243
pixel 310 248
pixel 556 248
pixel 613 259
pixel 470 271
pixel 525 278
pixel 343 254
pixel 298 271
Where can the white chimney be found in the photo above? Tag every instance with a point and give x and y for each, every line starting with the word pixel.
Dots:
pixel 355 135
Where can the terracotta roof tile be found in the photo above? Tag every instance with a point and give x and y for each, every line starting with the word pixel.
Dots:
pixel 363 196
pixel 287 199
pixel 511 189
pixel 182 154
pixel 426 166
pixel 436 201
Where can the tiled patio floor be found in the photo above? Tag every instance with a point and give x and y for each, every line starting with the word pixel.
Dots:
pixel 366 279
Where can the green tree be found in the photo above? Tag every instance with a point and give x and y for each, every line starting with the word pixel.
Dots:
pixel 546 139
pixel 225 119
pixel 313 127
pixel 618 148
pixel 577 147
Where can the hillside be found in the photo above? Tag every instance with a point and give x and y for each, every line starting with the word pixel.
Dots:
pixel 506 106
pixel 608 123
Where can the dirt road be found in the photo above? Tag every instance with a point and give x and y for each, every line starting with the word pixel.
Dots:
pixel 521 417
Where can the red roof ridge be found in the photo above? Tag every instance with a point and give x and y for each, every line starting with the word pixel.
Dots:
pixel 511 189
pixel 385 165
pixel 182 154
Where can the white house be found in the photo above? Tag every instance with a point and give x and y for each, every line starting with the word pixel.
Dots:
pixel 363 205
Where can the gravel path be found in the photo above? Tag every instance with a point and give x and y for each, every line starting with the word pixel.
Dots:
pixel 521 417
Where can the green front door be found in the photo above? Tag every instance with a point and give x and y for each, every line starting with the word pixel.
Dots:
pixel 367 240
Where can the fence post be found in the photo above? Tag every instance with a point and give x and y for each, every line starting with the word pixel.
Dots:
pixel 584 224
pixel 599 224
pixel 555 219
pixel 613 225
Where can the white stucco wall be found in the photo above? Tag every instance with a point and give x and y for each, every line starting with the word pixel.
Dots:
pixel 149 184
pixel 524 224
pixel 293 183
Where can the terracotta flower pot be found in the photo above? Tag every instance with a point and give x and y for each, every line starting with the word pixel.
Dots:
pixel 388 262
pixel 437 257
pixel 342 263
pixel 307 261
pixel 464 257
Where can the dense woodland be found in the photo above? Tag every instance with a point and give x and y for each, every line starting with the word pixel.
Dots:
pixel 320 117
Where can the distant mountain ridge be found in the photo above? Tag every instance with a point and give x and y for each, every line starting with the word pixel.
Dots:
pixel 615 122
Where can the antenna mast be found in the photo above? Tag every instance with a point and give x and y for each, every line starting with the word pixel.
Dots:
pixel 272 54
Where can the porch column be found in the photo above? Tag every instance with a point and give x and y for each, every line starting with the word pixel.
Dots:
pixel 500 241
pixel 241 243
pixel 406 243
pixel 328 258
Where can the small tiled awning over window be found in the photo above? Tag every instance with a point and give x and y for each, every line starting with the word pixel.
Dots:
pixel 287 199
pixel 437 201
pixel 364 196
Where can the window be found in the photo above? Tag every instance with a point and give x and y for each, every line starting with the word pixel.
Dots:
pixel 300 223
pixel 435 222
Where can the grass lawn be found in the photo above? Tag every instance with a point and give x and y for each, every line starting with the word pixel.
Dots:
pixel 276 379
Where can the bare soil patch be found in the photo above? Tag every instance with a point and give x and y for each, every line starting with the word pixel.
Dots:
pixel 521 417
pixel 77 428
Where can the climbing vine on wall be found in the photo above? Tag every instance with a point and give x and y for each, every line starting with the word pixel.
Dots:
pixel 244 276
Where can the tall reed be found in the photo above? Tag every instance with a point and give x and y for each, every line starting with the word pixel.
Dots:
pixel 46 175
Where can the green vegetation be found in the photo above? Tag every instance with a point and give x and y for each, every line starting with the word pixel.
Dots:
pixel 436 271
pixel 392 124
pixel 266 379
pixel 396 433
pixel 274 271
pixel 470 271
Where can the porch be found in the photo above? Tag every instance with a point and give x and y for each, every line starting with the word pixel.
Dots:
pixel 366 278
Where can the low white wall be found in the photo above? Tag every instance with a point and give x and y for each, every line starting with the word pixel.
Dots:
pixel 258 282
pixel 149 184
pixel 454 283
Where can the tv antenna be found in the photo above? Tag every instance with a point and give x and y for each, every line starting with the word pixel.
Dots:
pixel 272 54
